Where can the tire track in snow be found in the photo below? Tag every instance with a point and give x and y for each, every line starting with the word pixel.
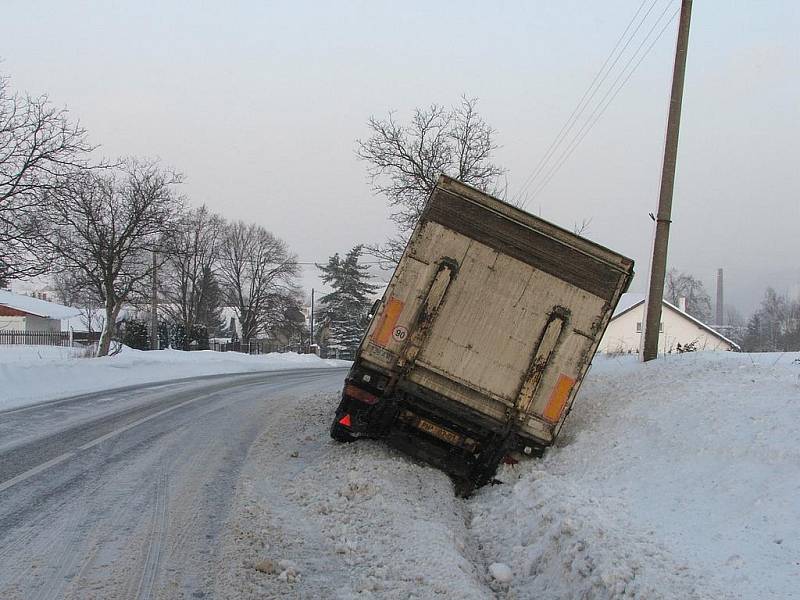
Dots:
pixel 155 538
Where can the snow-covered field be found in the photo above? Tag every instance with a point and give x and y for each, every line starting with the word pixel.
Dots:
pixel 675 479
pixel 31 374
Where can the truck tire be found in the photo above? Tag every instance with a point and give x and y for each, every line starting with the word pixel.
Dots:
pixel 463 488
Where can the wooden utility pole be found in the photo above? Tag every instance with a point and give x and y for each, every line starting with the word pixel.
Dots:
pixel 658 266
pixel 154 308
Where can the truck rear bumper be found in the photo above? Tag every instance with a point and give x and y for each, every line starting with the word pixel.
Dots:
pixel 467 448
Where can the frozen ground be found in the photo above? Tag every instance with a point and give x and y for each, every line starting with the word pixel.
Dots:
pixel 31 374
pixel 677 479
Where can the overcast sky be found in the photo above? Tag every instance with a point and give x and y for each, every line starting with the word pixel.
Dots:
pixel 259 104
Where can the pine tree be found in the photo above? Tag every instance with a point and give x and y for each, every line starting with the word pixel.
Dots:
pixel 342 316
pixel 136 334
pixel 209 308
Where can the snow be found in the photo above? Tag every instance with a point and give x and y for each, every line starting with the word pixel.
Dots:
pixel 37 307
pixel 32 374
pixel 678 478
pixel 501 572
pixel 355 520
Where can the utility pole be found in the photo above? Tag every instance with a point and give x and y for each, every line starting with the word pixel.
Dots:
pixel 720 316
pixel 658 266
pixel 311 339
pixel 154 307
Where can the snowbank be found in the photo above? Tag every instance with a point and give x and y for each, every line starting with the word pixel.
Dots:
pixel 31 374
pixel 678 478
pixel 351 520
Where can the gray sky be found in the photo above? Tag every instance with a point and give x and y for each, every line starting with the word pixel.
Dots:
pixel 260 103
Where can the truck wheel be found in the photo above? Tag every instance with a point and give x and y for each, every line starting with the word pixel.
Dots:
pixel 463 487
pixel 340 434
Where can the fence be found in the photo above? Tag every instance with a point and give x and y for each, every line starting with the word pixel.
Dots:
pixel 47 338
pixel 253 347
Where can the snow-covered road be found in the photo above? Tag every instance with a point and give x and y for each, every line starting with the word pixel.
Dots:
pixel 125 494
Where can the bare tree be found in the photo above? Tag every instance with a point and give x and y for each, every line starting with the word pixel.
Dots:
pixel 775 326
pixel 581 228
pixel 285 322
pixel 255 268
pixel 41 152
pixel 106 225
pixel 73 289
pixel 683 285
pixel 406 160
pixel 191 251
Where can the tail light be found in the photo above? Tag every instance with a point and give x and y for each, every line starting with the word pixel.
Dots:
pixel 345 420
pixel 358 394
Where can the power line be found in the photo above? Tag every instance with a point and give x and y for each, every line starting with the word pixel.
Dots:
pixel 603 105
pixel 581 106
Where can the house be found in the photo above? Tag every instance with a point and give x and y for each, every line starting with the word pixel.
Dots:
pixel 678 328
pixel 23 313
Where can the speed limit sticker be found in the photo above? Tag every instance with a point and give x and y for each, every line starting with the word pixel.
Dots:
pixel 399 334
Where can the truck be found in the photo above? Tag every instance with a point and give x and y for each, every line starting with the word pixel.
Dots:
pixel 481 340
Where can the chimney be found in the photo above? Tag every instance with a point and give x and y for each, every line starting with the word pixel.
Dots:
pixel 720 313
pixel 682 303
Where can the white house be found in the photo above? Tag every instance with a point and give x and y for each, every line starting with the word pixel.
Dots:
pixel 23 313
pixel 624 331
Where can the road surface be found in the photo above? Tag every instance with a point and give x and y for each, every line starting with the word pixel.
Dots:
pixel 123 494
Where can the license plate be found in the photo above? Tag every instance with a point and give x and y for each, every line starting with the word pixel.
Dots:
pixel 439 432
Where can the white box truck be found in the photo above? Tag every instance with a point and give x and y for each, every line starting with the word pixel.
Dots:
pixel 480 342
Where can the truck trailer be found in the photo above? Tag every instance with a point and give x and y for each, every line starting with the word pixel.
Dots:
pixel 482 338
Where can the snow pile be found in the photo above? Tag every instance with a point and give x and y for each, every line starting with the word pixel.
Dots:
pixel 678 479
pixel 38 355
pixel 675 480
pixel 353 520
pixel 30 374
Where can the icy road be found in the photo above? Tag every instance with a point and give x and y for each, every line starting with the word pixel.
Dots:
pixel 124 494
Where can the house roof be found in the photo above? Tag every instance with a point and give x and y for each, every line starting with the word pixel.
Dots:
pixel 631 300
pixel 626 302
pixel 36 307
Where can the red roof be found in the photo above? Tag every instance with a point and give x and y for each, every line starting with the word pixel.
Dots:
pixel 7 311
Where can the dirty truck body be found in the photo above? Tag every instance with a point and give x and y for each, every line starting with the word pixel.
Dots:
pixel 483 336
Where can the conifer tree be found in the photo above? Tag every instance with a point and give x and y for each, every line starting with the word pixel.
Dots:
pixel 342 316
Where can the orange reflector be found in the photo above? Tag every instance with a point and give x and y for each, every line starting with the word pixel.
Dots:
pixel 558 399
pixel 383 331
pixel 345 420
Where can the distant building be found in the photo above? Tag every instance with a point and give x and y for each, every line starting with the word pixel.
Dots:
pixel 23 313
pixel 678 328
